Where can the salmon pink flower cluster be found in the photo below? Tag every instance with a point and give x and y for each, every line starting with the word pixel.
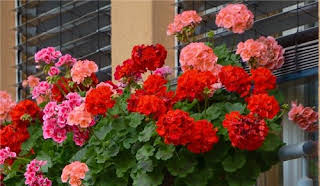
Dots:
pixel 47 55
pixel 80 117
pixel 198 56
pixel 305 117
pixel 5 154
pixel 74 172
pixel 183 20
pixel 6 104
pixel 83 69
pixel 34 176
pixel 33 81
pixel 263 52
pixel 235 17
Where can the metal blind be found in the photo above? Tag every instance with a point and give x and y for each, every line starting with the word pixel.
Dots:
pixel 293 23
pixel 81 28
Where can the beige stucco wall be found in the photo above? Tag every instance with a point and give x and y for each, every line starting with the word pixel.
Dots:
pixel 140 22
pixel 7 41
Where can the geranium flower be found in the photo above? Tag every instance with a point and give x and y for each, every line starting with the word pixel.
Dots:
pixel 264 105
pixel 192 84
pixel 263 52
pixel 246 132
pixel 305 117
pixel 235 17
pixel 263 80
pixel 235 79
pixel 74 172
pixel 185 19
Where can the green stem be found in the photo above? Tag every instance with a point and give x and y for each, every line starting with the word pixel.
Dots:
pixel 205 104
pixel 24 159
pixel 92 132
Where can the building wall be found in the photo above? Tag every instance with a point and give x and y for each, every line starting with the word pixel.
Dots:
pixel 7 42
pixel 138 22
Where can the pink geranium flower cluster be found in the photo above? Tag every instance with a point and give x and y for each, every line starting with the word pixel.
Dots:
pixel 42 89
pixel 305 117
pixel 66 59
pixel 186 18
pixel 264 52
pixel 5 153
pixel 53 71
pixel 198 56
pixel 47 55
pixel 74 172
pixel 6 104
pixel 55 117
pixel 34 176
pixel 235 17
pixel 83 69
pixel 163 71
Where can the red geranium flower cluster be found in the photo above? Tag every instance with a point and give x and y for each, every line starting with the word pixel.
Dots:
pixel 192 84
pixel 203 137
pixel 24 111
pixel 143 58
pixel 264 105
pixel 263 80
pixel 178 128
pixel 149 105
pixel 99 100
pixel 155 84
pixel 245 132
pixel 175 127
pixel 149 57
pixel 153 100
pixel 128 69
pixel 13 136
pixel 235 79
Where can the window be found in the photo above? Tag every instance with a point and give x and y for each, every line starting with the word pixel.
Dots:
pixel 80 28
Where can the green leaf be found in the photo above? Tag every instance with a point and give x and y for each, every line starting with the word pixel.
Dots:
pixel 213 112
pixel 271 143
pixel 275 127
pixel 35 133
pixel 123 163
pixel 235 107
pixel 199 177
pixel 105 128
pixel 128 141
pixel 185 105
pixel 145 165
pixel 148 179
pixel 234 162
pixel 145 152
pixel 165 152
pixel 278 95
pixel 135 119
pixel 111 150
pixel 44 156
pixel 181 166
pixel 148 131
pixel 196 116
